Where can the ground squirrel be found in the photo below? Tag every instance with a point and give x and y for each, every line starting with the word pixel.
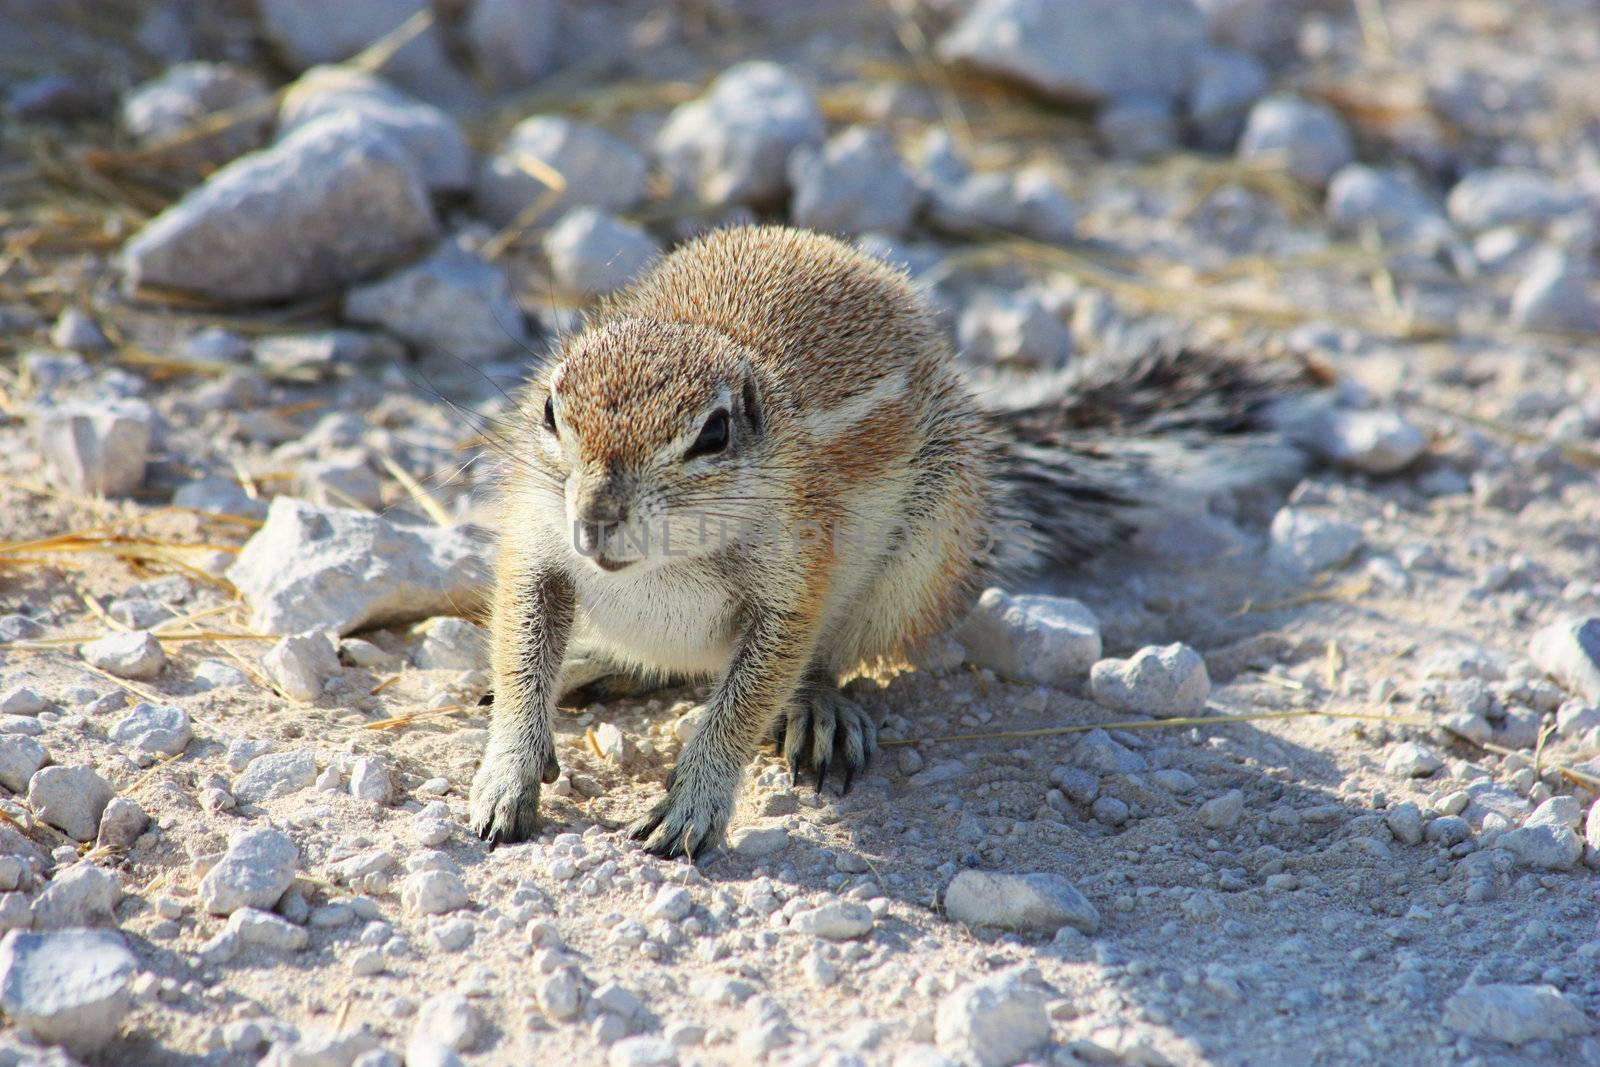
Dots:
pixel 760 464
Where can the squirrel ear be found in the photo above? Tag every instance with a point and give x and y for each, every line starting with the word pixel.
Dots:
pixel 750 402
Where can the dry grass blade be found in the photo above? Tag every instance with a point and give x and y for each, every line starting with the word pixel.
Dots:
pixel 398 721
pixel 555 184
pixel 147 695
pixel 1347 591
pixel 1588 458
pixel 935 76
pixel 419 493
pixel 1163 724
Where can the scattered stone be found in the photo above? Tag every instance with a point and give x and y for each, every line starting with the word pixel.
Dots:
pixel 311 567
pixel 67 987
pixel 1362 197
pixel 1078 785
pixel 755 842
pixel 154 730
pixel 994 1022
pixel 643 1051
pixel 262 929
pixel 1542 845
pixel 1097 751
pixel 1083 50
pixel 98 449
pixel 1558 294
pixel 301 665
pixel 1306 138
pixel 514 41
pixel 1409 759
pixel 135 655
pixel 1227 84
pixel 275 775
pixel 1138 128
pixel 837 920
pixel 592 253
pixel 77 331
pixel 732 145
pixel 453 644
pixel 255 871
pixel 854 183
pixel 20 757
pixel 121 823
pixel 1160 681
pixel 327 1048
pixel 370 779
pixel 241 750
pixel 80 895
pixel 1308 544
pixel 559 994
pixel 1378 442
pixel 1042 639
pixel 454 302
pixel 672 903
pixel 1029 903
pixel 600 171
pixel 333 203
pixel 1110 810
pixel 433 893
pixel 1569 652
pixel 172 105
pixel 1405 822
pixel 428 136
pixel 449 1019
pixel 308 32
pixel 1515 1014
pixel 1222 813
pixel 1015 330
pixel 69 798
pixel 1507 196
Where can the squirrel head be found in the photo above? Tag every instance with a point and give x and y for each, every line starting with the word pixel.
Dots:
pixel 656 433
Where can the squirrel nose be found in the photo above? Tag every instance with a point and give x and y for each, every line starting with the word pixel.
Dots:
pixel 595 514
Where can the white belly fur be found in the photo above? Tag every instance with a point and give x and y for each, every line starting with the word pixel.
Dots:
pixel 658 619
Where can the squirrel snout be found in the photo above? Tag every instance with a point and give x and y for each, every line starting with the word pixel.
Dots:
pixel 598 510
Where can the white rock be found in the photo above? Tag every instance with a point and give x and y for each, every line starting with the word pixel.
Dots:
pixel 1515 1014
pixel 1360 196
pixel 342 478
pixel 333 203
pixel 755 842
pixel 20 757
pixel 558 994
pixel 274 775
pixel 1157 680
pixel 854 183
pixel 642 1051
pixel 69 987
pixel 1409 759
pixel 69 798
pixel 80 895
pixel 1558 294
pixel 1591 827
pixel 323 1048
pixel 1378 442
pixel 1222 813
pixel 309 568
pixel 1569 652
pixel 1014 329
pixel 1043 639
pixel 22 700
pixel 154 729
pixel 429 137
pixel 994 1022
pixel 514 41
pixel 672 903
pixel 263 929
pixel 1308 543
pixel 136 655
pixel 74 329
pixel 452 644
pixel 241 750
pixel 837 920
pixel 1082 50
pixel 1031 903
pixel 592 253
pixel 302 664
pixel 370 779
pixel 174 103
pixel 96 448
pixel 1507 196
pixel 121 823
pixel 454 302
pixel 732 145
pixel 1227 84
pixel 308 32
pixel 450 1019
pixel 255 871
pixel 1137 127
pixel 433 893
pixel 1305 138
pixel 1542 845
pixel 597 170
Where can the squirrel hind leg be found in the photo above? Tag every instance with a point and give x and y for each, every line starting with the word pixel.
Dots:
pixel 590 676
pixel 822 730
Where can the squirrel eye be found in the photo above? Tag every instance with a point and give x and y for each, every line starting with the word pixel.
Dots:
pixel 550 413
pixel 713 436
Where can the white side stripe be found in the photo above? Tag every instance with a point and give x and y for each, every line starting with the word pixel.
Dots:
pixel 853 409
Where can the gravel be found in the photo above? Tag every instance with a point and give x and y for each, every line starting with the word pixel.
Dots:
pixel 1306 139
pixel 1224 812
pixel 67 987
pixel 96 448
pixel 1227 83
pixel 255 871
pixel 274 775
pixel 593 253
pixel 1377 442
pixel 837 920
pixel 334 202
pixel 1569 652
pixel 732 145
pixel 994 1022
pixel 1515 1014
pixel 1410 759
pixel 1507 196
pixel 855 183
pixel 19 757
pixel 598 169
pixel 1307 543
pixel 1161 681
pixel 153 730
pixel 1387 201
pixel 1082 50
pixel 1043 639
pixel 164 110
pixel 1557 294
pixel 1018 331
pixel 1030 903
pixel 81 895
pixel 314 568
pixel 69 798
pixel 135 655
pixel 299 666
pixel 454 303
pixel 515 42
pixel 433 893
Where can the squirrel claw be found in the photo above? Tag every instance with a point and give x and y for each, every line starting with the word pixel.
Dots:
pixel 824 729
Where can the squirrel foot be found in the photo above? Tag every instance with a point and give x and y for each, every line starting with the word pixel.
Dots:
pixel 505 794
pixel 689 820
pixel 822 729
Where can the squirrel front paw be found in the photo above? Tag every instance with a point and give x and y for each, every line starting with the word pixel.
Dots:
pixel 689 820
pixel 505 794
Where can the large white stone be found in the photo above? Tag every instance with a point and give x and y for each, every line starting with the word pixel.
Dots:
pixel 1044 639
pixel 1031 903
pixel 66 987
